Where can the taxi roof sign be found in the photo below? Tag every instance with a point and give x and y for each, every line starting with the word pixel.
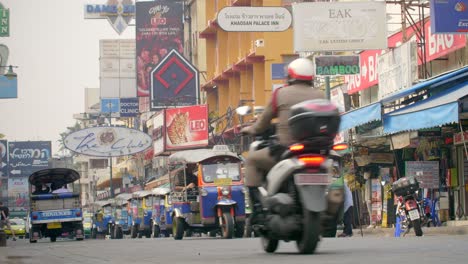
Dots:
pixel 221 148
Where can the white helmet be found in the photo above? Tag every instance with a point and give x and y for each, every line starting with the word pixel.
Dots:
pixel 301 69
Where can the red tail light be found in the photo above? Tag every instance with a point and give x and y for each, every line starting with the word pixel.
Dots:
pixel 296 147
pixel 340 146
pixel 34 216
pixel 312 161
pixel 78 214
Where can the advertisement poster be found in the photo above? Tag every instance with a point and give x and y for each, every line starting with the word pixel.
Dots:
pixel 449 16
pixel 26 157
pixel 426 172
pixel 18 194
pixel 159 29
pixel 376 201
pixel 3 158
pixel 186 127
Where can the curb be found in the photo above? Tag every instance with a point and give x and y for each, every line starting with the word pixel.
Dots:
pixel 430 231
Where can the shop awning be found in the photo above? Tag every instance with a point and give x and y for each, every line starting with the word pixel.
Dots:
pixel 457 76
pixel 360 116
pixel 434 111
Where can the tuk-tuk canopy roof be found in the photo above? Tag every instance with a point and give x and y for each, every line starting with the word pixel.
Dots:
pixel 104 203
pixel 124 197
pixel 141 194
pixel 63 175
pixel 199 155
pixel 161 190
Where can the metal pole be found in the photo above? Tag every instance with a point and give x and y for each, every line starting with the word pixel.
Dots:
pixel 327 87
pixel 111 187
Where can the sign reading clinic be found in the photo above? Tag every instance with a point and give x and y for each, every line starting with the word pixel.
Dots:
pixel 254 19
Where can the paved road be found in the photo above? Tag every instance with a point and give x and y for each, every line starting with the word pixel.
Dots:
pixel 429 249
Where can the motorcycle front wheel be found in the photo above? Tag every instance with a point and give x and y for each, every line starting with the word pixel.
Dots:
pixel 269 245
pixel 417 227
pixel 310 233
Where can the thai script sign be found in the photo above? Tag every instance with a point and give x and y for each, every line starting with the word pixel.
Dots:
pixel 26 157
pixel 449 16
pixel 254 19
pixel 108 141
pixel 119 13
pixel 331 26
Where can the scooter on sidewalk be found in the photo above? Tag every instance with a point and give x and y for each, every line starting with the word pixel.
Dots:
pixel 409 210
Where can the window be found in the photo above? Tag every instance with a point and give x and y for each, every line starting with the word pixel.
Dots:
pixel 221 170
pixel 99 163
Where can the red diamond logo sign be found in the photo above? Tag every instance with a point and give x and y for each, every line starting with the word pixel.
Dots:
pixel 174 82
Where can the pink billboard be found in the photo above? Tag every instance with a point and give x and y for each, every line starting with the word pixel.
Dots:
pixel 186 127
pixel 159 29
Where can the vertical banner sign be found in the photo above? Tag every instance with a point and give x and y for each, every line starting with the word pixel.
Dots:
pixel 4 21
pixel 186 127
pixel 26 157
pixel 158 133
pixel 3 158
pixel 18 194
pixel 449 16
pixel 376 201
pixel 159 29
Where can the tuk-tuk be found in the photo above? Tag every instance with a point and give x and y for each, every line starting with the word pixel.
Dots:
pixel 103 219
pixel 121 216
pixel 87 224
pixel 217 204
pixel 55 208
pixel 142 210
pixel 160 216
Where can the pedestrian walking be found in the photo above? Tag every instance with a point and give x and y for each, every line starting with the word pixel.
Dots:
pixel 4 220
pixel 348 215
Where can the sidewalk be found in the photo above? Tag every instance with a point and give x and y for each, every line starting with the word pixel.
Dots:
pixel 427 231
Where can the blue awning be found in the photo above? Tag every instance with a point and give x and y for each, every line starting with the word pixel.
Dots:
pixel 434 111
pixel 360 116
pixel 460 75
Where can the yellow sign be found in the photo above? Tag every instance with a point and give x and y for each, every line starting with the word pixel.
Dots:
pixel 54 225
pixel 223 181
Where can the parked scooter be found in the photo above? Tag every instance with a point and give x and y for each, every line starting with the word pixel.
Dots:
pixel 294 195
pixel 409 209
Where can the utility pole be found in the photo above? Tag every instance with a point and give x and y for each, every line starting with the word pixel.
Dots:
pixel 111 187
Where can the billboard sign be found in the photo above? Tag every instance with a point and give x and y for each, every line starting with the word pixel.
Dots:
pixel 129 107
pixel 159 29
pixel 8 87
pixel 449 16
pixel 336 65
pixel 186 127
pixel 174 82
pixel 4 21
pixel 158 133
pixel 254 19
pixel 119 13
pixel 108 141
pixel 3 158
pixel 18 193
pixel 339 26
pixel 110 105
pixel 26 157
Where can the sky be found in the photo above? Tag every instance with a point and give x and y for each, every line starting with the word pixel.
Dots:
pixel 57 54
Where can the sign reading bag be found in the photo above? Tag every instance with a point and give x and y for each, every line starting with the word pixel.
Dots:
pixel 254 19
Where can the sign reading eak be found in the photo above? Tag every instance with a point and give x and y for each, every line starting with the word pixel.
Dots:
pixel 337 65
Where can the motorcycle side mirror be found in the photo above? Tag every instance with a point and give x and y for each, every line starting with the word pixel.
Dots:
pixel 243 110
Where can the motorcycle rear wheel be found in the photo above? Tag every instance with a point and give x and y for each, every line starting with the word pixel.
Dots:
pixel 417 227
pixel 310 233
pixel 269 245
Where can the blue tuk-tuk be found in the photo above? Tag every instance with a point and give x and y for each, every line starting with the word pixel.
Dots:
pixel 103 219
pixel 217 204
pixel 142 210
pixel 161 218
pixel 121 216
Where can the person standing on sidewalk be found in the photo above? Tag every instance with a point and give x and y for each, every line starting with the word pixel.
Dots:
pixel 4 213
pixel 348 215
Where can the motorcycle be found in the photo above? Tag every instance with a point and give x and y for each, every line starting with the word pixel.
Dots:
pixel 409 209
pixel 294 194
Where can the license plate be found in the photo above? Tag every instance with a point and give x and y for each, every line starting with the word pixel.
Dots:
pixel 312 179
pixel 414 214
pixel 54 225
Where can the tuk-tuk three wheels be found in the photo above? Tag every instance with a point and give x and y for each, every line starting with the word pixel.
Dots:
pixel 116 232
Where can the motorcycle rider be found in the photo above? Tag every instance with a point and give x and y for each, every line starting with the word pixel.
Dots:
pixel 299 88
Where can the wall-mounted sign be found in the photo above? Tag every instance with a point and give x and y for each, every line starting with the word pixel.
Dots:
pixel 4 21
pixel 186 127
pixel 108 141
pixel 336 65
pixel 26 157
pixel 449 16
pixel 331 26
pixel 110 105
pixel 3 158
pixel 254 19
pixel 119 13
pixel 129 107
pixel 8 87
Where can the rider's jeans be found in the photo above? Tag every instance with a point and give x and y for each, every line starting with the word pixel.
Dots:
pixel 256 164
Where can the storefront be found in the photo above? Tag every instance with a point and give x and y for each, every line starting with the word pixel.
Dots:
pixel 459 178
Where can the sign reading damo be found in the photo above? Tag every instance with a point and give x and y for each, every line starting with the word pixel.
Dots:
pixel 337 65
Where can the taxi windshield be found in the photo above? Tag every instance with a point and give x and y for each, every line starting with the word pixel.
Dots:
pixel 221 170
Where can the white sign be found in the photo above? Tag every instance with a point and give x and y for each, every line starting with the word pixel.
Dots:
pixel 158 133
pixel 254 19
pixel 397 69
pixel 322 26
pixel 108 141
pixel 119 13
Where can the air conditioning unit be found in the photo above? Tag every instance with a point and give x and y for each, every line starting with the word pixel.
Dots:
pixel 259 43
